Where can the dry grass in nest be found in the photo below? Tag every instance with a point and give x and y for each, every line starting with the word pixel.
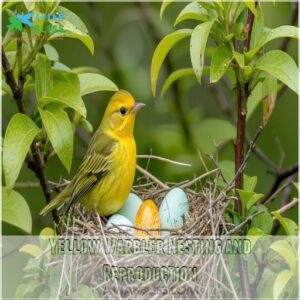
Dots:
pixel 207 202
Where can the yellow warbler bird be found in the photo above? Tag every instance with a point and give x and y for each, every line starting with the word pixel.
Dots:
pixel 106 174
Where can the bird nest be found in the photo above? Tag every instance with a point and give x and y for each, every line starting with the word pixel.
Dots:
pixel 207 203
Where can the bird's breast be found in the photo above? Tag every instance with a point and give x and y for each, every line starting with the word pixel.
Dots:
pixel 111 193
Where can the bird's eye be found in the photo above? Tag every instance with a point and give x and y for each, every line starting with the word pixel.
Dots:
pixel 123 110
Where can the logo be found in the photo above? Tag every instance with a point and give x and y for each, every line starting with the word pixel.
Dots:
pixel 36 21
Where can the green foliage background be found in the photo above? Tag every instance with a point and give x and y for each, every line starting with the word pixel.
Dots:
pixel 124 45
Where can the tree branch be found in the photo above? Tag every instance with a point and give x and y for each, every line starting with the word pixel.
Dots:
pixel 10 80
pixel 288 206
pixel 281 176
pixel 240 140
pixel 242 96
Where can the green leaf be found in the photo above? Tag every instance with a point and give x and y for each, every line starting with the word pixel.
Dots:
pixel 43 76
pixel 209 6
pixel 249 183
pixel 248 199
pixel 51 52
pixel 19 135
pixel 263 221
pixel 284 249
pixel 175 76
pixel 55 119
pixel 254 198
pixel 280 283
pixel 213 131
pixel 272 34
pixel 86 125
pixel 192 11
pixel 74 28
pixel 280 65
pixel 65 90
pixel 269 87
pixel 61 67
pixel 197 47
pixel 219 63
pixel 254 234
pixel 258 28
pixel 15 210
pixel 251 6
pixel 164 6
pixel 281 32
pixel 92 82
pixel 161 52
pixel 289 226
pixel 31 250
pixel 256 95
pixel 46 233
pixel 85 69
pixel 239 57
pixel 245 197
pixel 255 231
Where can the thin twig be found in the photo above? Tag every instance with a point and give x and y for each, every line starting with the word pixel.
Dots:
pixel 279 178
pixel 24 185
pixel 164 159
pixel 241 225
pixel 152 177
pixel 185 185
pixel 288 206
pixel 277 192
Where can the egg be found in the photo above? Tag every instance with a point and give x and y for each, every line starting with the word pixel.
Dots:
pixel 131 207
pixel 174 206
pixel 119 220
pixel 147 217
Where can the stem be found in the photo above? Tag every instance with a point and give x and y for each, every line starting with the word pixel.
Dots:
pixel 10 80
pixel 242 96
pixel 37 47
pixel 240 139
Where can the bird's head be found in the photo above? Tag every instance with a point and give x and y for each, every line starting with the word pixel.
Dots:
pixel 120 114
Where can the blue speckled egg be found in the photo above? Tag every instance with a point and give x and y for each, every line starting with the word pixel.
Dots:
pixel 173 207
pixel 119 220
pixel 131 207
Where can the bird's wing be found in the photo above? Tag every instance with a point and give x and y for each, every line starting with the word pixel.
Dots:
pixel 94 167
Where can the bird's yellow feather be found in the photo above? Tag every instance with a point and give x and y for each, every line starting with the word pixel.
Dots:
pixel 106 174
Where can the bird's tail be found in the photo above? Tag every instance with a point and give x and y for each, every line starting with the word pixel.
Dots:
pixel 60 199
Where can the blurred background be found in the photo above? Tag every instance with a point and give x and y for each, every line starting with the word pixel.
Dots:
pixel 187 118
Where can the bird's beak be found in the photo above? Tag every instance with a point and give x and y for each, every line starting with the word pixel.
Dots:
pixel 137 107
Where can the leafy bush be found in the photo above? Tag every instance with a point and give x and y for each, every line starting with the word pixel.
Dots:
pixel 44 127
